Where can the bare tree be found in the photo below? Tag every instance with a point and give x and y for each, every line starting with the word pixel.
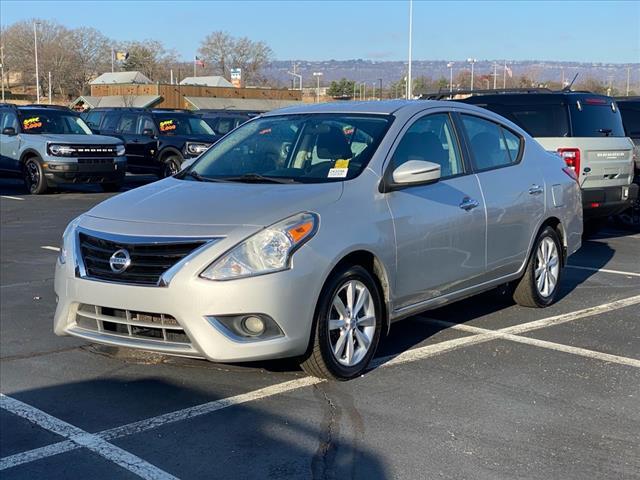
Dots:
pixel 224 52
pixel 149 57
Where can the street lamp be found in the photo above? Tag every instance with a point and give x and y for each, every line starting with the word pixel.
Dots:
pixel 409 89
pixel 317 75
pixel 2 68
pixel 296 75
pixel 450 67
pixel 472 61
pixel 35 45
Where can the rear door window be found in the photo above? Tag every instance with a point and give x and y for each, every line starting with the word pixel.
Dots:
pixel 488 144
pixel 594 117
pixel 631 120
pixel 542 120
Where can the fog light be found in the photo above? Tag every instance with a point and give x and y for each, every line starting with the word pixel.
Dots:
pixel 253 325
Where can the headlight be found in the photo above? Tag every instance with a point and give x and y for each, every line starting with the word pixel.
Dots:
pixel 267 251
pixel 194 148
pixel 61 150
pixel 120 150
pixel 67 240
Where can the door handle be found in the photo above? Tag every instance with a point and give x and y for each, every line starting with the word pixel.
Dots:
pixel 468 204
pixel 535 190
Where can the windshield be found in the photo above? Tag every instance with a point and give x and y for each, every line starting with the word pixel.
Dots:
pixel 538 120
pixel 52 121
pixel 182 125
pixel 302 148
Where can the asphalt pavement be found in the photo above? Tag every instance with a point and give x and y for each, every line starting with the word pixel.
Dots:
pixel 482 389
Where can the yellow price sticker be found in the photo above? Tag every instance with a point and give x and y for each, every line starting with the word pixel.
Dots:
pixel 341 164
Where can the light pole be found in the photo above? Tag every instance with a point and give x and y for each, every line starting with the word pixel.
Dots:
pixel 380 80
pixel 628 81
pixel 409 89
pixel 495 74
pixel 2 68
pixel 373 95
pixel 35 45
pixel 296 75
pixel 317 75
pixel 472 61
pixel 450 67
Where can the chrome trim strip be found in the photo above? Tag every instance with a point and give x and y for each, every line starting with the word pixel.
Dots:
pixel 165 278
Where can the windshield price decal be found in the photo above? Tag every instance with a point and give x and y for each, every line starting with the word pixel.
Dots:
pixel 30 123
pixel 167 125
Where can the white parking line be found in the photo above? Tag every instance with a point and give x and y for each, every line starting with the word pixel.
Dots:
pixel 11 198
pixel 605 357
pixel 84 439
pixel 53 249
pixel 412 355
pixel 604 270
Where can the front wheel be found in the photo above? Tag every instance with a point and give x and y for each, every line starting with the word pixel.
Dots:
pixel 34 177
pixel 171 165
pixel 540 283
pixel 347 326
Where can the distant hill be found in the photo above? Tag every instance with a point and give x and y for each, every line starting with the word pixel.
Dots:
pixel 392 71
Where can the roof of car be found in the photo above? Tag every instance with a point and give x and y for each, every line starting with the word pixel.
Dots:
pixel 519 98
pixel 385 107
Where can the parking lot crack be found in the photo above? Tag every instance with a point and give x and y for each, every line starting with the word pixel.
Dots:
pixel 324 458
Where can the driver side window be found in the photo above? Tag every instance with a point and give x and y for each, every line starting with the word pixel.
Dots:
pixel 432 139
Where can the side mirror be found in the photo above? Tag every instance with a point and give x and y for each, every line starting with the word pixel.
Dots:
pixel 9 131
pixel 147 132
pixel 416 172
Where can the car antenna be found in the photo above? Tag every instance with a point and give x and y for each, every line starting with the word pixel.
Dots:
pixel 568 87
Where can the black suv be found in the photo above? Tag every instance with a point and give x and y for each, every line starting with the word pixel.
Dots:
pixel 223 121
pixel 586 130
pixel 157 141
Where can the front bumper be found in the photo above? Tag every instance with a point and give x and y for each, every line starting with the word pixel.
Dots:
pixel 603 202
pixel 101 170
pixel 288 297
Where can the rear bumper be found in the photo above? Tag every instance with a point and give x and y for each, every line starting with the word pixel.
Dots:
pixel 108 172
pixel 603 202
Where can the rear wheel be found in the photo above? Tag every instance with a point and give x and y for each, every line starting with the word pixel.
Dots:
pixel 347 326
pixel 539 285
pixel 34 176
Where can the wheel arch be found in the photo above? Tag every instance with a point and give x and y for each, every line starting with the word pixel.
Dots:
pixel 370 262
pixel 169 150
pixel 29 153
pixel 556 224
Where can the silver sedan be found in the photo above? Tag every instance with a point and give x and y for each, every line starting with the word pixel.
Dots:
pixel 308 231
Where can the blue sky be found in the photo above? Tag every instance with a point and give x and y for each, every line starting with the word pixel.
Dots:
pixel 590 31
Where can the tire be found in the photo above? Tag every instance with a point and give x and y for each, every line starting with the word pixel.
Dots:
pixel 320 360
pixel 111 187
pixel 533 290
pixel 33 176
pixel 171 165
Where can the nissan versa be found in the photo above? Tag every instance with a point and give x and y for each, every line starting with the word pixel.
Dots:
pixel 308 231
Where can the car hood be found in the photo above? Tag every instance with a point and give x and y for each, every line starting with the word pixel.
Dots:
pixel 173 201
pixel 79 139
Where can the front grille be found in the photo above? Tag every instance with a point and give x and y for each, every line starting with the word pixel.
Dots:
pixel 132 324
pixel 94 150
pixel 95 161
pixel 148 260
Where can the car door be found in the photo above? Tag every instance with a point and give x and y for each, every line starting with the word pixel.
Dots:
pixel 148 143
pixel 439 227
pixel 513 190
pixel 10 144
pixel 127 129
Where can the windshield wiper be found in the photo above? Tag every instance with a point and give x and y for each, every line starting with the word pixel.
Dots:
pixel 257 178
pixel 200 178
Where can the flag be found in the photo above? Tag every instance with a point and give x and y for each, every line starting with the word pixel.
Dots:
pixel 122 56
pixel 198 61
pixel 509 71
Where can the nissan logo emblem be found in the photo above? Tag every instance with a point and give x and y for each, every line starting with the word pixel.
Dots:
pixel 120 261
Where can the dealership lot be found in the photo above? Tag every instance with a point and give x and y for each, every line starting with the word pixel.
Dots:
pixel 479 389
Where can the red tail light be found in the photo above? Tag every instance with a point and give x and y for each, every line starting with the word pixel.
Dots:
pixel 571 157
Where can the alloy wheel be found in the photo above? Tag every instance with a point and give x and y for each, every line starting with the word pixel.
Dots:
pixel 32 175
pixel 352 323
pixel 547 267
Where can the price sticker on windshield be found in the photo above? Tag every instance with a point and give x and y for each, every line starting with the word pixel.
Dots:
pixel 31 123
pixel 341 164
pixel 167 126
pixel 338 173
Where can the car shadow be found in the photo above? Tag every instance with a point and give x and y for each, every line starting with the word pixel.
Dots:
pixel 321 436
pixel 15 187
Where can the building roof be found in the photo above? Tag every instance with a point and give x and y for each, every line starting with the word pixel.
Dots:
pixel 110 78
pixel 138 101
pixel 247 104
pixel 211 81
